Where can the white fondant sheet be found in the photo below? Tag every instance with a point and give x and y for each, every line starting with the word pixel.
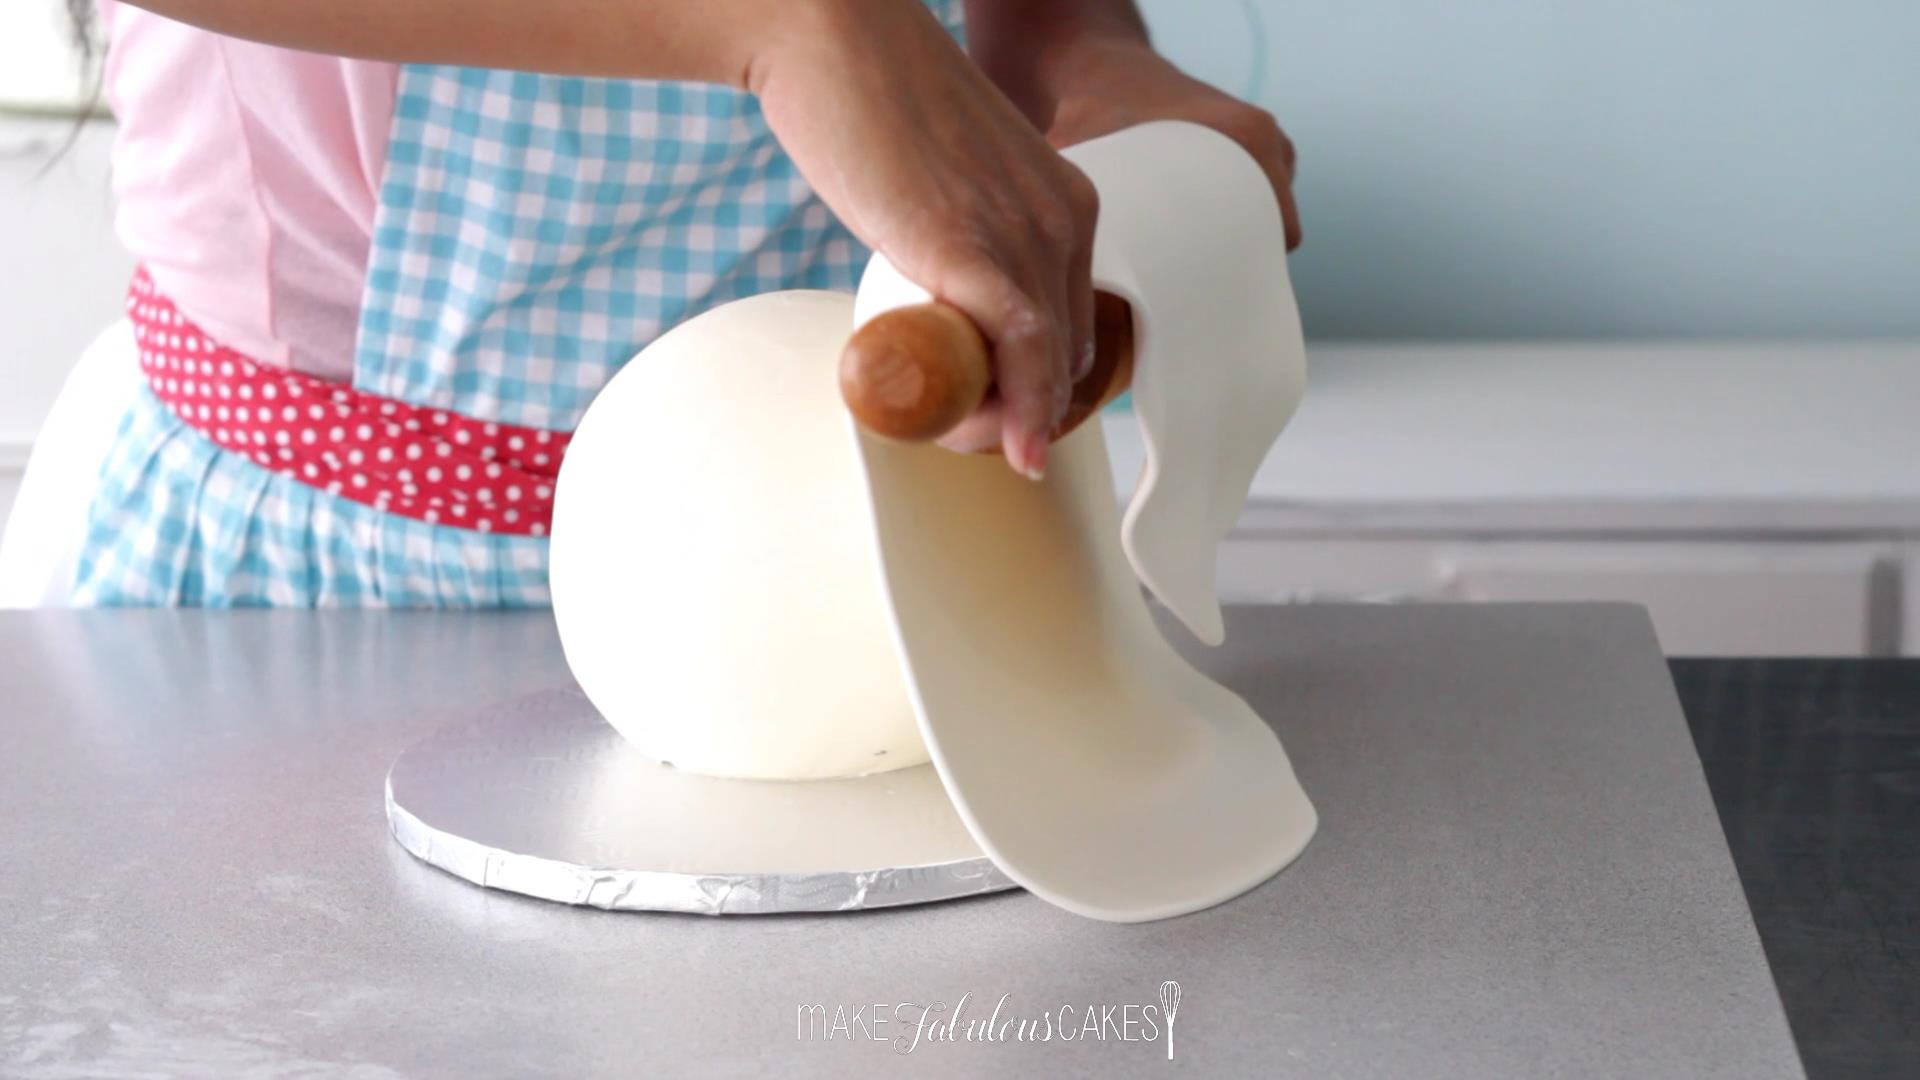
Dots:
pixel 1093 764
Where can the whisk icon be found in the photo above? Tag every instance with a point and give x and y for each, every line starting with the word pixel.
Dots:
pixel 1169 1004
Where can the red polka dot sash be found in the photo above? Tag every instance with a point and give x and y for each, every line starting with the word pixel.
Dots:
pixel 416 461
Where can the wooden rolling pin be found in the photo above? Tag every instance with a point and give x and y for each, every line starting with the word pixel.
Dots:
pixel 914 373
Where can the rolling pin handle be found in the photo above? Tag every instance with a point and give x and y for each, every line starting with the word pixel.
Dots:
pixel 913 373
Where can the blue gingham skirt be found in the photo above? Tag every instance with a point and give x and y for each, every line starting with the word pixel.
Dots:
pixel 178 521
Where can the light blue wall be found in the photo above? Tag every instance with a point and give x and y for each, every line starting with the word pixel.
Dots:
pixel 1630 168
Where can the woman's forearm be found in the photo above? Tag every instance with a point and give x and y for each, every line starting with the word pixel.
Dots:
pixel 716 41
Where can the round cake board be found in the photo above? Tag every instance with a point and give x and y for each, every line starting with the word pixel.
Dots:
pixel 539 796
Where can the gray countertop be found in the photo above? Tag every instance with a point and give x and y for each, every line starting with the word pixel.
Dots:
pixel 1519 873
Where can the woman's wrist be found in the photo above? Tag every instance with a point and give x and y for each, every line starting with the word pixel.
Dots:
pixel 1037 53
pixel 830 35
pixel 1087 61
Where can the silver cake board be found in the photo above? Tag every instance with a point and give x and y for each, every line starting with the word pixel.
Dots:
pixel 540 796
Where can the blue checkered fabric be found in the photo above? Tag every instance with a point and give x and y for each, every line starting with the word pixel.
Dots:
pixel 180 522
pixel 533 233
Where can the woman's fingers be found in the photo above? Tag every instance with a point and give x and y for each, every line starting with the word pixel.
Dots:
pixel 1290 214
pixel 1026 282
pixel 980 431
pixel 1027 336
pixel 1043 335
pixel 1086 208
pixel 1259 134
pixel 1024 336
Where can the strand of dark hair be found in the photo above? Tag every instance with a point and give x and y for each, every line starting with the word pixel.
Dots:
pixel 80 31
pixel 83 36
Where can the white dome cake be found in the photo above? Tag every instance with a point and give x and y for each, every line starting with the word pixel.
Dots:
pixel 713 566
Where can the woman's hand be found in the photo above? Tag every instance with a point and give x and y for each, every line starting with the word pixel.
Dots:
pixel 927 162
pixel 1105 84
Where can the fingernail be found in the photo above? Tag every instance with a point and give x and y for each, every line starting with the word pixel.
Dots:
pixel 1083 364
pixel 1033 459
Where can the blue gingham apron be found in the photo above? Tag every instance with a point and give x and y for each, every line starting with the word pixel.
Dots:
pixel 533 233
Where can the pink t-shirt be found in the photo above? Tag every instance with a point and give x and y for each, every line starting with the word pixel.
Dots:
pixel 247 177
